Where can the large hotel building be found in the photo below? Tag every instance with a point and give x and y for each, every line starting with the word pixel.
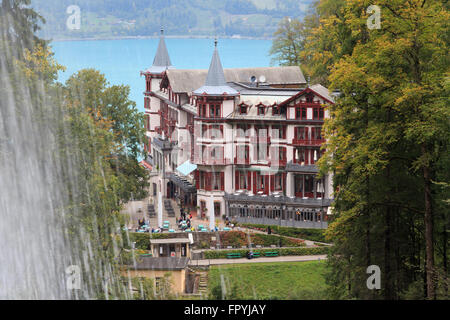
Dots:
pixel 239 143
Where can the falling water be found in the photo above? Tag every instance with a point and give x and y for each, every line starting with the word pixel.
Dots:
pixel 38 257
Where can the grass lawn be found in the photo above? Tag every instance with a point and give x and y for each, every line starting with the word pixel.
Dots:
pixel 281 280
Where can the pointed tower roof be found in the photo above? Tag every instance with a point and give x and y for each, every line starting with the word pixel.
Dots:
pixel 162 60
pixel 215 83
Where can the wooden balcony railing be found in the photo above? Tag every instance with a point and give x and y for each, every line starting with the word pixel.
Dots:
pixel 308 142
pixel 259 139
pixel 242 161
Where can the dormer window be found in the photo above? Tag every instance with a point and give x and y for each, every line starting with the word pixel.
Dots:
pixel 261 110
pixel 243 108
pixel 276 110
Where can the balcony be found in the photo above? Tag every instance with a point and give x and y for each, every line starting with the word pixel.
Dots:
pixel 213 162
pixel 260 140
pixel 279 163
pixel 308 142
pixel 242 161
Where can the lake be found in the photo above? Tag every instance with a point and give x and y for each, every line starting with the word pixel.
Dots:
pixel 122 60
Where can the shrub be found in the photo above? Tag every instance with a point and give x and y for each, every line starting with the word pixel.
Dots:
pixel 215 254
pixel 308 234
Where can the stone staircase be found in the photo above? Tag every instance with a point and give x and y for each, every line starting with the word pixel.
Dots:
pixel 203 284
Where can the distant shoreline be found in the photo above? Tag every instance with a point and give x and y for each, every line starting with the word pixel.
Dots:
pixel 156 37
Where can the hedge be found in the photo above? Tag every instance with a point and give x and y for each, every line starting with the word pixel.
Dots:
pixel 301 233
pixel 239 239
pixel 142 239
pixel 222 254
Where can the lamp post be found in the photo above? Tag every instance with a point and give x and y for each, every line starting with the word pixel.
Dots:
pixel 160 210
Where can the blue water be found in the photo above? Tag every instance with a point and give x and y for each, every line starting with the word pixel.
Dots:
pixel 122 60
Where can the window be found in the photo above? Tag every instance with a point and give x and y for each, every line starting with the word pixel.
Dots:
pixel 243 153
pixel 316 154
pixel 242 180
pixel 298 185
pixel 278 154
pixel 262 132
pixel 276 110
pixel 300 155
pixel 216 153
pixel 261 109
pixel 202 110
pixel 214 111
pixel 301 133
pixel 318 113
pixel 216 131
pixel 316 133
pixel 309 184
pixel 309 98
pixel 242 131
pixel 262 151
pixel 279 132
pixel 243 108
pixel 216 181
pixel 300 113
pixel 260 182
pixel 203 178
pixel 278 182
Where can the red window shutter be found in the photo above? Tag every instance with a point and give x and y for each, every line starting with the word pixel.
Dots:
pixel 249 181
pixel 284 153
pixel 197 179
pixel 222 181
pixel 272 183
pixel 313 133
pixel 254 183
pixel 283 182
pixel 208 181
pixel 284 132
pixel 306 133
pixel 236 183
pixel 266 184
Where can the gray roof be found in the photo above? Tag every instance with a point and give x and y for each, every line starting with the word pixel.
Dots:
pixel 188 80
pixel 162 60
pixel 150 263
pixel 324 92
pixel 215 83
pixel 168 241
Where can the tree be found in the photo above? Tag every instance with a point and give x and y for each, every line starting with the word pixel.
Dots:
pixel 288 42
pixel 388 140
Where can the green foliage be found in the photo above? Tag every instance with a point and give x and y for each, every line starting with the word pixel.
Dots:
pixel 222 254
pixel 301 233
pixel 263 281
pixel 119 18
pixel 387 143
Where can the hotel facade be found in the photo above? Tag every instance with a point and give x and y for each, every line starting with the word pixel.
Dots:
pixel 241 143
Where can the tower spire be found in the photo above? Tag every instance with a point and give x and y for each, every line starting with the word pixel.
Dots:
pixel 162 58
pixel 215 83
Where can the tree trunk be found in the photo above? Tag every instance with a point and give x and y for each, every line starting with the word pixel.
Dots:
pixel 429 246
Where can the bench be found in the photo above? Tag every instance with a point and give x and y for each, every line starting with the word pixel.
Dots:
pixel 233 255
pixel 256 254
pixel 271 254
pixel 147 255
